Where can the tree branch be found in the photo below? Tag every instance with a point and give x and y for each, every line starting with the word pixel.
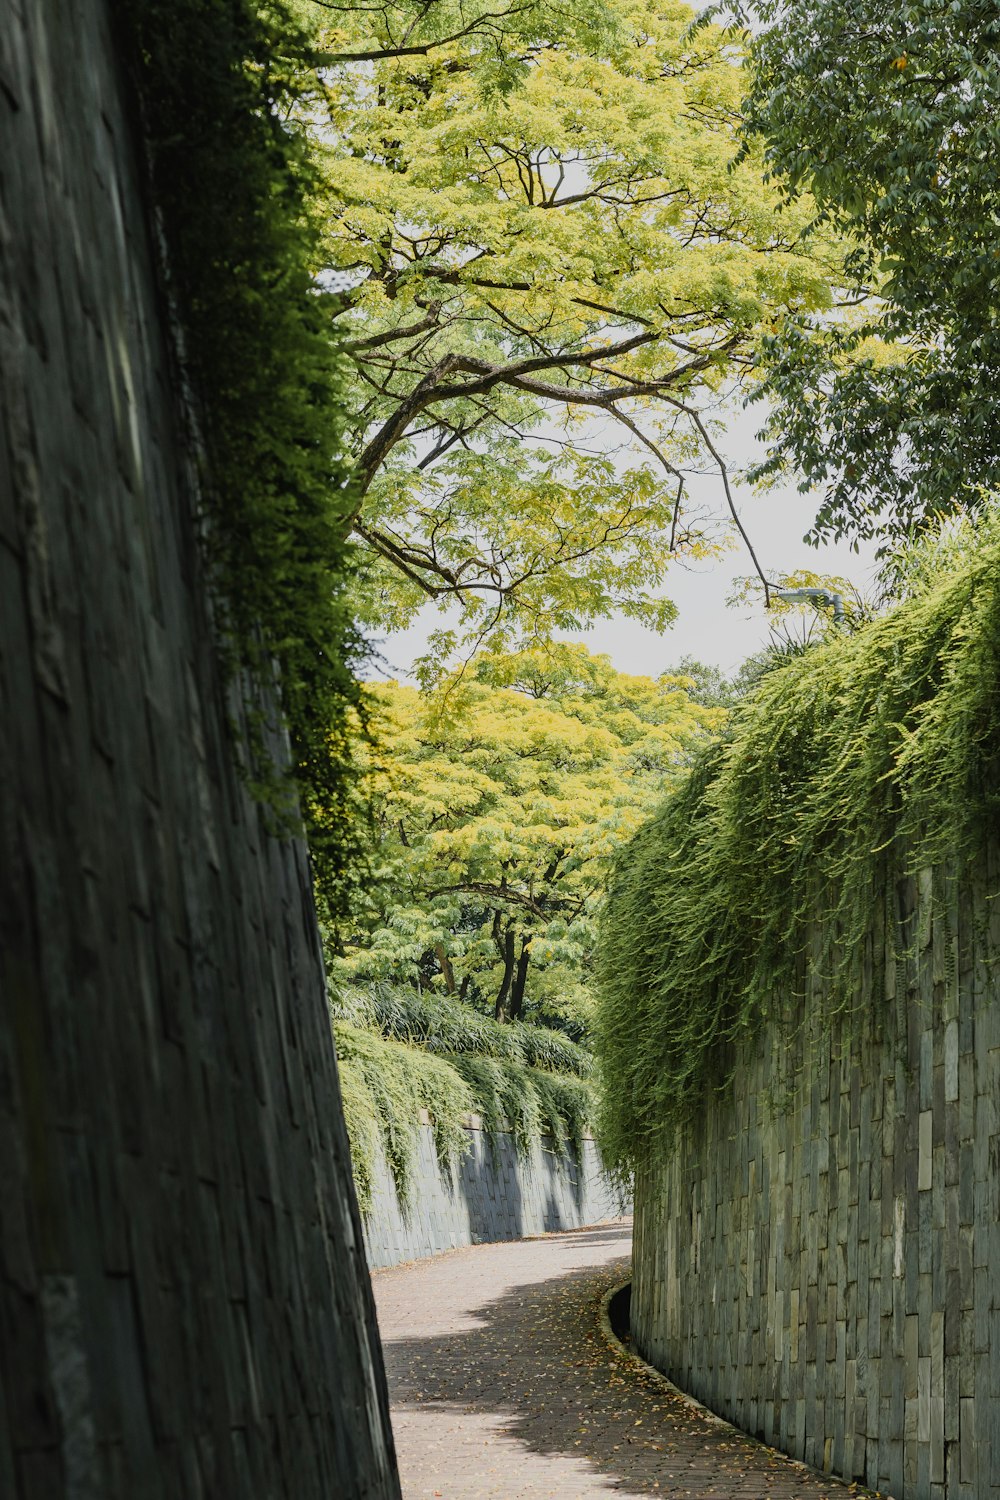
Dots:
pixel 418 49
pixel 495 892
pixel 429 391
pixel 723 470
pixel 393 335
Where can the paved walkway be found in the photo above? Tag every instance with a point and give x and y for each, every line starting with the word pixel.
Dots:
pixel 502 1387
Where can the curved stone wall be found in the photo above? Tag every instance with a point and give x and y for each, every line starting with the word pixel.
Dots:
pixel 494 1193
pixel 185 1310
pixel 820 1261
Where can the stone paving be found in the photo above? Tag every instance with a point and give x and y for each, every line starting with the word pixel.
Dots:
pixel 503 1387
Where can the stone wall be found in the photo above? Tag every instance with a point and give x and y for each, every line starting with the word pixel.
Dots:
pixel 493 1194
pixel 820 1262
pixel 184 1304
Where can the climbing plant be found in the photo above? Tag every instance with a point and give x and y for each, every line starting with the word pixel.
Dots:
pixel 385 1086
pixel 446 1025
pixel 865 747
pixel 236 197
pixel 386 1083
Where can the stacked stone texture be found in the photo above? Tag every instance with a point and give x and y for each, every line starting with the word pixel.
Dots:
pixel 184 1303
pixel 494 1193
pixel 820 1260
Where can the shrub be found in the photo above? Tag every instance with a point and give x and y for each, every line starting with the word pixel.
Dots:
pixel 386 1083
pixel 386 1086
pixel 446 1025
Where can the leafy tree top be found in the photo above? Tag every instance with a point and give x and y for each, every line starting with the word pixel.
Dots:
pixel 889 116
pixel 498 808
pixel 536 233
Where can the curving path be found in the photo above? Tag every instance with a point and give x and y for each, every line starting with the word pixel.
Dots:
pixel 503 1388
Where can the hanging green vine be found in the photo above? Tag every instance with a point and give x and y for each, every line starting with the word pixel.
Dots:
pixel 233 190
pixel 385 1086
pixel 386 1083
pixel 872 748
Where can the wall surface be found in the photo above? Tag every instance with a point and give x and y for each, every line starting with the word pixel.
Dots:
pixel 490 1195
pixel 820 1262
pixel 184 1305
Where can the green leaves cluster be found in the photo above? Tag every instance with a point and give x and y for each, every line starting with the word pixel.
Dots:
pixel 866 753
pixel 387 1083
pixel 530 1102
pixel 384 1087
pixel 536 230
pixel 445 1025
pixel 498 806
pixel 888 115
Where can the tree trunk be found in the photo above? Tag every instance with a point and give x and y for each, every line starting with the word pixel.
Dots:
pixel 517 991
pixel 446 968
pixel 507 953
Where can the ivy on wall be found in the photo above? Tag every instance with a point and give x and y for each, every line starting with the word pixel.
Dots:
pixel 869 753
pixel 386 1083
pixel 234 191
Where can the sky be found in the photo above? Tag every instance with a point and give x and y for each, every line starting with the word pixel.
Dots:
pixel 706 627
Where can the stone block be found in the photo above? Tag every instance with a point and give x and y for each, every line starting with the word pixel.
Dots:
pixel 882 1251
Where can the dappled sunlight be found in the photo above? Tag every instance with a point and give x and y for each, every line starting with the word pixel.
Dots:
pixel 504 1388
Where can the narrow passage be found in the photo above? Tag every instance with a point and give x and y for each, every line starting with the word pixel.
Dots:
pixel 503 1388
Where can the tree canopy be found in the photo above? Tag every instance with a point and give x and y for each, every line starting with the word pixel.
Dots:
pixel 497 816
pixel 888 115
pixel 541 250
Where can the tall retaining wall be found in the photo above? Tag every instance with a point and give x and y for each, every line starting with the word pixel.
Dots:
pixel 493 1194
pixel 184 1304
pixel 820 1260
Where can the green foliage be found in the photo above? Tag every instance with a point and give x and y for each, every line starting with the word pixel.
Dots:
pixel 533 223
pixel 444 1025
pixel 497 807
pixel 364 1132
pixel 385 1086
pixel 860 754
pixel 387 1082
pixel 236 197
pixel 887 112
pixel 527 1101
pixel 705 683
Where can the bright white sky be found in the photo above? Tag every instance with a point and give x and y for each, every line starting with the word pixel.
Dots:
pixel 706 627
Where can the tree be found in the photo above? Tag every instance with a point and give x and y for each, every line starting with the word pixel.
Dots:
pixel 497 814
pixel 541 251
pixel 888 114
pixel 705 683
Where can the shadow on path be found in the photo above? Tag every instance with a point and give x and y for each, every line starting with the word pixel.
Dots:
pixel 530 1370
